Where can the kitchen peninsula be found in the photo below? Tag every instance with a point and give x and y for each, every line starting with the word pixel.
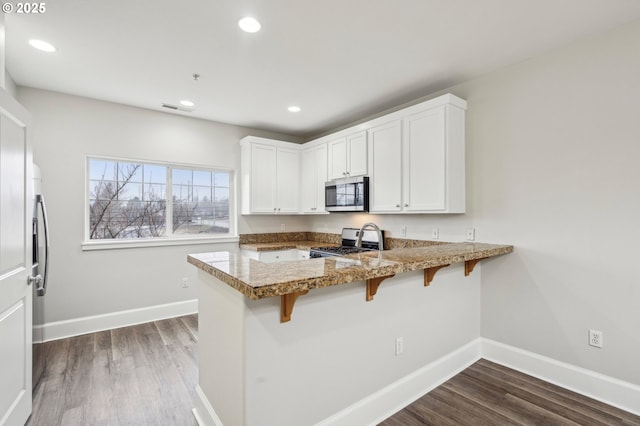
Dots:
pixel 256 369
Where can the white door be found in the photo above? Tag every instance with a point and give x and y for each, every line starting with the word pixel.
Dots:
pixel 15 263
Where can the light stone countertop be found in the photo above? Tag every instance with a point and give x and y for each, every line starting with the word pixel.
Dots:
pixel 258 280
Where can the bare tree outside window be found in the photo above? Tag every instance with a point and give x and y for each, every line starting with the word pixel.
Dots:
pixel 129 200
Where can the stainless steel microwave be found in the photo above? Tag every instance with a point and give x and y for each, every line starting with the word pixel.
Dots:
pixel 347 195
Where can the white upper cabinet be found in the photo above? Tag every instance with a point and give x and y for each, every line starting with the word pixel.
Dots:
pixel 385 165
pixel 269 176
pixel 433 171
pixel 414 157
pixel 261 176
pixel 417 162
pixel 288 180
pixel 347 156
pixel 313 174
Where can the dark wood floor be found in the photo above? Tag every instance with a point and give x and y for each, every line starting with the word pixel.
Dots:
pixel 147 374
pixel 490 394
pixel 140 375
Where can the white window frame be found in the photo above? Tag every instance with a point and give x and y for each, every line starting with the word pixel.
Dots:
pixel 170 240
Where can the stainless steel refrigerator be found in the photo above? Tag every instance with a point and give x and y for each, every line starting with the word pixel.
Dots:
pixel 40 273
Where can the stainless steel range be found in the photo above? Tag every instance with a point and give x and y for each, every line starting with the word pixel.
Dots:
pixel 349 244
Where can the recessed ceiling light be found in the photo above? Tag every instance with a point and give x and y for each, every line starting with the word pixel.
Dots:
pixel 187 103
pixel 42 45
pixel 249 24
pixel 294 108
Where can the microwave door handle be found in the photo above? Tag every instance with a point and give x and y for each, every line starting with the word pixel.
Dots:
pixel 41 289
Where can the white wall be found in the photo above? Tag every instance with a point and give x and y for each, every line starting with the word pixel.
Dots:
pixel 552 167
pixel 67 129
pixel 553 149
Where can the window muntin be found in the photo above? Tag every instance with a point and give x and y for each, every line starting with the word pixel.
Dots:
pixel 139 200
pixel 200 201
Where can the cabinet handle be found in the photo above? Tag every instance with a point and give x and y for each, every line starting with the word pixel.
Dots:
pixel 406 205
pixel 397 205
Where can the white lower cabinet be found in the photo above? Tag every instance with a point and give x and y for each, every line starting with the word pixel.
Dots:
pixel 313 175
pixel 417 164
pixel 302 254
pixel 277 255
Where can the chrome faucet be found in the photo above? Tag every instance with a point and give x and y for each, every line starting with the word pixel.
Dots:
pixel 373 227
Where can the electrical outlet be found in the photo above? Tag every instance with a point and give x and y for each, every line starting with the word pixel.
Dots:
pixel 595 338
pixel 399 346
pixel 471 234
pixel 403 231
pixel 185 282
pixel 282 226
pixel 435 233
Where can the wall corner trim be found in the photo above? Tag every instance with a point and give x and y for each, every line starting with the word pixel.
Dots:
pixel 77 326
pixel 612 391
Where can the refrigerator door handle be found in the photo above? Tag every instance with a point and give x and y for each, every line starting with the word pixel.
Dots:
pixel 41 285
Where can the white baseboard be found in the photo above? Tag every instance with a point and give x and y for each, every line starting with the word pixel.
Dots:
pixel 203 411
pixel 387 401
pixel 75 327
pixel 609 390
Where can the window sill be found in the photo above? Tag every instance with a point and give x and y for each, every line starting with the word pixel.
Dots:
pixel 155 242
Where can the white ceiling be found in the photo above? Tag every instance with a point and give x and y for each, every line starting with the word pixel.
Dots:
pixel 339 60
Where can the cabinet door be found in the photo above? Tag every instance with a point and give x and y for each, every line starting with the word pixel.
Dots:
pixel 357 154
pixel 385 165
pixel 303 254
pixel 308 188
pixel 263 178
pixel 337 155
pixel 320 159
pixel 278 255
pixel 288 181
pixel 424 166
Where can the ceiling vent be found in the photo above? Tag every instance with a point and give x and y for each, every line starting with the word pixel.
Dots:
pixel 177 107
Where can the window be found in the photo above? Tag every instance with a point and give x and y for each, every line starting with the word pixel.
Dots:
pixel 135 200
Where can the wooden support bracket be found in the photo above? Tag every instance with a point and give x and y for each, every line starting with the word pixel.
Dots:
pixel 470 264
pixel 373 284
pixel 430 272
pixel 286 304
